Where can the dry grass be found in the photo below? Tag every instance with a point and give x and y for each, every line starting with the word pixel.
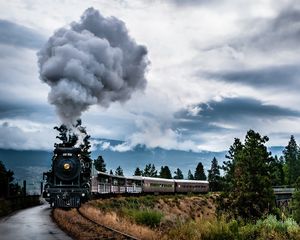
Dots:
pixel 112 220
pixel 176 210
pixel 78 227
pixel 116 213
pixel 187 208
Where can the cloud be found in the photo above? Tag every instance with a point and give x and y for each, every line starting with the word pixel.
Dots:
pixel 191 3
pixel 217 69
pixel 218 122
pixel 17 35
pixel 25 135
pixel 283 31
pixel 283 76
pixel 230 110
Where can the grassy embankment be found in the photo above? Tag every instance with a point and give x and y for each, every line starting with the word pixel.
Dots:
pixel 180 217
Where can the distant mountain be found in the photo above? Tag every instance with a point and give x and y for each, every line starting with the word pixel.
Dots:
pixel 30 164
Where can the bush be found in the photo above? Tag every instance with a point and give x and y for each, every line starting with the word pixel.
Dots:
pixel 267 229
pixel 146 217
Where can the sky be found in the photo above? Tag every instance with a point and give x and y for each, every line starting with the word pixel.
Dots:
pixel 216 69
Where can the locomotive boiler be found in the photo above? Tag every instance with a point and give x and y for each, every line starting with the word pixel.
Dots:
pixel 68 181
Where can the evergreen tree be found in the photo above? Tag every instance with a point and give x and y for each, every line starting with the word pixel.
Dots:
pixel 146 172
pixel 138 172
pixel 119 171
pixel 277 171
pixel 199 173
pixel 214 177
pixel 100 164
pixel 178 174
pixel 190 175
pixel 249 194
pixel 296 202
pixel 229 165
pixel 111 172
pixel 153 171
pixel 6 177
pixel 291 156
pixel 165 172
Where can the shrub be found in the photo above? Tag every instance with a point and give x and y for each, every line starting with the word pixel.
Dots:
pixel 146 217
pixel 266 229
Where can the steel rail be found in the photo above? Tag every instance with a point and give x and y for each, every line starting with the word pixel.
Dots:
pixel 125 235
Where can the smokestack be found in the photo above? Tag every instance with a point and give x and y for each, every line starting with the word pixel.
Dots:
pixel 93 61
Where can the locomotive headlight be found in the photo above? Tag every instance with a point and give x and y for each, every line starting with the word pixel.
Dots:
pixel 83 194
pixel 48 194
pixel 67 166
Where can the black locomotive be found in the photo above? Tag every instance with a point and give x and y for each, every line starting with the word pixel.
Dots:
pixel 68 181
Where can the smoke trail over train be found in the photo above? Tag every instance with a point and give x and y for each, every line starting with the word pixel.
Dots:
pixel 93 61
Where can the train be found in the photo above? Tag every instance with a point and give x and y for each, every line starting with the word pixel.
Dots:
pixel 106 184
pixel 70 181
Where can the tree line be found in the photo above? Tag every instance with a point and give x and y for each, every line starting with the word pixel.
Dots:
pixel 7 187
pixel 151 171
pixel 249 174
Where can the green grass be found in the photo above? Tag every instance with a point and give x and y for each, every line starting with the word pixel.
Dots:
pixel 138 209
pixel 128 202
pixel 267 229
pixel 146 217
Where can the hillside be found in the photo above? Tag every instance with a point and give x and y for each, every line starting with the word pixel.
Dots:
pixel 145 217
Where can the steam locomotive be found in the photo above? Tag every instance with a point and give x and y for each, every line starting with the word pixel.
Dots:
pixel 69 179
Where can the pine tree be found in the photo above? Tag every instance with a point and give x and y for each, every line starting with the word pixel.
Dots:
pixel 111 172
pixel 199 173
pixel 153 171
pixel 165 172
pixel 6 177
pixel 146 172
pixel 229 165
pixel 249 194
pixel 178 174
pixel 291 156
pixel 100 164
pixel 138 172
pixel 214 177
pixel 190 175
pixel 119 171
pixel 296 202
pixel 277 171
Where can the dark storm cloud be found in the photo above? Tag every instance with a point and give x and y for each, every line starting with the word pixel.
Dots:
pixel 18 35
pixel 16 108
pixel 285 76
pixel 230 111
pixel 279 35
pixel 280 32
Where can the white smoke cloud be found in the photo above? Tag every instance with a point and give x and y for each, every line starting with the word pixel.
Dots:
pixel 94 61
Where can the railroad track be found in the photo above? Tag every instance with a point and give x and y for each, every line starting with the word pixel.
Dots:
pixel 110 233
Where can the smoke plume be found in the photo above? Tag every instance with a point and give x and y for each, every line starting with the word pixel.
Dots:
pixel 93 61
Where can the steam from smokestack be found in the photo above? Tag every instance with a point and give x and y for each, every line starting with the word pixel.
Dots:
pixel 94 61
